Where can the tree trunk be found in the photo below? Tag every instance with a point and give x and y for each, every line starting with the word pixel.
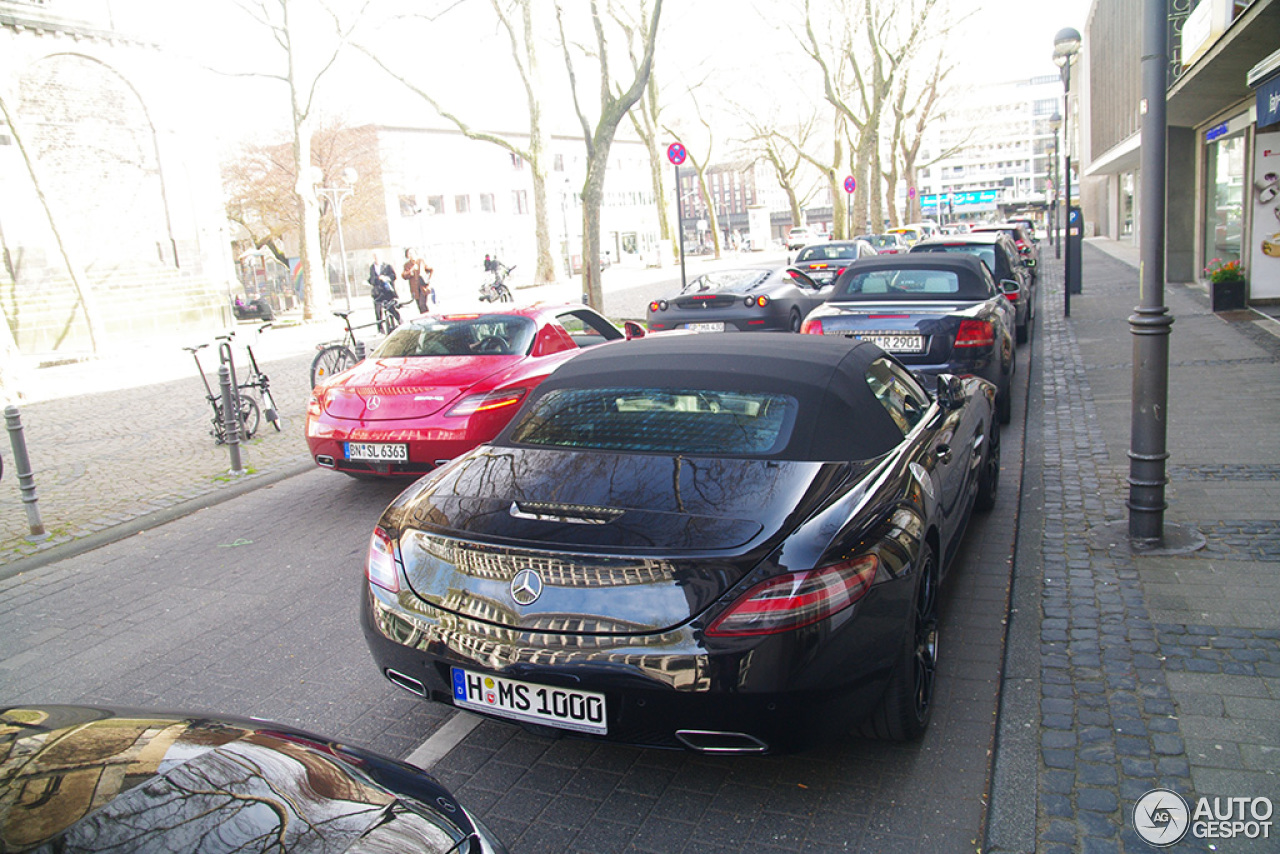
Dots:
pixel 592 198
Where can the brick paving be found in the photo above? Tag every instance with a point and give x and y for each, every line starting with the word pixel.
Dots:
pixel 1154 670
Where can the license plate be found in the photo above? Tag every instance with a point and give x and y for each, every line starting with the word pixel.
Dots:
pixel 377 452
pixel 704 327
pixel 565 708
pixel 895 343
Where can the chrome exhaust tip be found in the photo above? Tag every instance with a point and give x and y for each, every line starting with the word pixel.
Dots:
pixel 711 741
pixel 406 682
pixel 324 460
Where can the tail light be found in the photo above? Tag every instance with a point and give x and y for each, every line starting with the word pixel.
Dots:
pixel 380 565
pixel 658 305
pixel 760 301
pixel 1012 297
pixel 797 599
pixel 811 326
pixel 473 403
pixel 976 333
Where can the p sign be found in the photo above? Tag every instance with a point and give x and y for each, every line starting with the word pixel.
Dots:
pixel 676 153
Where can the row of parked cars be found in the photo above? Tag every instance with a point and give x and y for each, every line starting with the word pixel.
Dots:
pixel 617 527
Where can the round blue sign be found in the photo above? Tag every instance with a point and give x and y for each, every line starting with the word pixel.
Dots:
pixel 676 153
pixel 850 184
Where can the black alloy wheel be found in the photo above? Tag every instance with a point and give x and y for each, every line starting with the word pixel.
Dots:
pixel 793 324
pixel 907 705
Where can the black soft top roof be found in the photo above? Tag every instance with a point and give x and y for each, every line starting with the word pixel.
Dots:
pixel 967 269
pixel 838 417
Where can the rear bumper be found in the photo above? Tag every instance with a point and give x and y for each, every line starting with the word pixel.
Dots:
pixel 765 697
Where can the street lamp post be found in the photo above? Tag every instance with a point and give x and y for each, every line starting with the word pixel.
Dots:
pixel 1055 122
pixel 336 196
pixel 1066 44
pixel 1150 323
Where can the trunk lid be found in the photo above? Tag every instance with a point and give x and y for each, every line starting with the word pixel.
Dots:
pixel 416 387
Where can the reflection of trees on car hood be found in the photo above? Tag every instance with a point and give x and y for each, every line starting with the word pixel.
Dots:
pixel 727 280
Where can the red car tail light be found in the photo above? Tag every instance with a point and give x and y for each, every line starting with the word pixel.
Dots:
pixel 380 564
pixel 976 333
pixel 658 305
pixel 760 301
pixel 811 327
pixel 797 599
pixel 473 403
pixel 1012 297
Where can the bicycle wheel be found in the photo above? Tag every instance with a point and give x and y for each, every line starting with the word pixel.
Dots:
pixel 250 418
pixel 330 362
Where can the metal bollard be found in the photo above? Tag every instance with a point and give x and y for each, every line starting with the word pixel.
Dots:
pixel 359 351
pixel 230 417
pixel 26 478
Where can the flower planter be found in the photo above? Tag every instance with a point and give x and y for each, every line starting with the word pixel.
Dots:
pixel 1226 296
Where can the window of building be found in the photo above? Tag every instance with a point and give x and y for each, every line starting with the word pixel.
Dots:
pixel 1224 197
pixel 559 163
pixel 520 201
pixel 408 205
pixel 462 204
pixel 486 203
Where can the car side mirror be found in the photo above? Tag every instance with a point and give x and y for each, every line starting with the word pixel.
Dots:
pixel 1030 262
pixel 950 392
pixel 633 330
pixel 1010 288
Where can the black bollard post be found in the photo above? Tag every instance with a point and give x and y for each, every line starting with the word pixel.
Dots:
pixel 26 478
pixel 230 417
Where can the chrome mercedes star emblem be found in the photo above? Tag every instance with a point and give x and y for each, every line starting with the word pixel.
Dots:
pixel 374 402
pixel 526 587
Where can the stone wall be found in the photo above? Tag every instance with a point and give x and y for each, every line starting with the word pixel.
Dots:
pixel 106 146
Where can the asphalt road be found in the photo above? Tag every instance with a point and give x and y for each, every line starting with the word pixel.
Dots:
pixel 249 607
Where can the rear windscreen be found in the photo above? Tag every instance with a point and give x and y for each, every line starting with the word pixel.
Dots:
pixel 670 421
pixel 484 335
pixel 825 253
pixel 985 252
pixel 907 284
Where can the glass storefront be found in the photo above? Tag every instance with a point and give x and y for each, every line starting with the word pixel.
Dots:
pixel 1224 197
pixel 1127 181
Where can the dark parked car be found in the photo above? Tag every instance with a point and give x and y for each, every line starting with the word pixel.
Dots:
pixel 938 313
pixel 997 251
pixel 887 244
pixel 824 261
pixel 1026 244
pixel 84 778
pixel 729 543
pixel 745 299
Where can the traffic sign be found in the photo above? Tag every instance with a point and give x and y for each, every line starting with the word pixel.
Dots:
pixel 676 153
pixel 850 184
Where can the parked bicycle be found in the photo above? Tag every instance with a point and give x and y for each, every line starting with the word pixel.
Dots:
pixel 496 290
pixel 250 414
pixel 259 380
pixel 334 357
pixel 244 402
pixel 389 314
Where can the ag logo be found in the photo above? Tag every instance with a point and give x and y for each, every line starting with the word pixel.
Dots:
pixel 1161 817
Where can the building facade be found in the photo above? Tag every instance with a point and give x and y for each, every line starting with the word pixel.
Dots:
pixel 993 155
pixel 1223 140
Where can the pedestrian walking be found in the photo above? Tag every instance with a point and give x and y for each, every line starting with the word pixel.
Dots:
pixel 382 285
pixel 418 275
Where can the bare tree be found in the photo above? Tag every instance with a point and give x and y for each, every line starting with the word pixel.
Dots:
pixel 599 139
pixel 646 117
pixel 522 36
pixel 306 64
pixel 892 33
pixel 782 148
pixel 831 171
pixel 700 165
pixel 84 291
pixel 259 183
